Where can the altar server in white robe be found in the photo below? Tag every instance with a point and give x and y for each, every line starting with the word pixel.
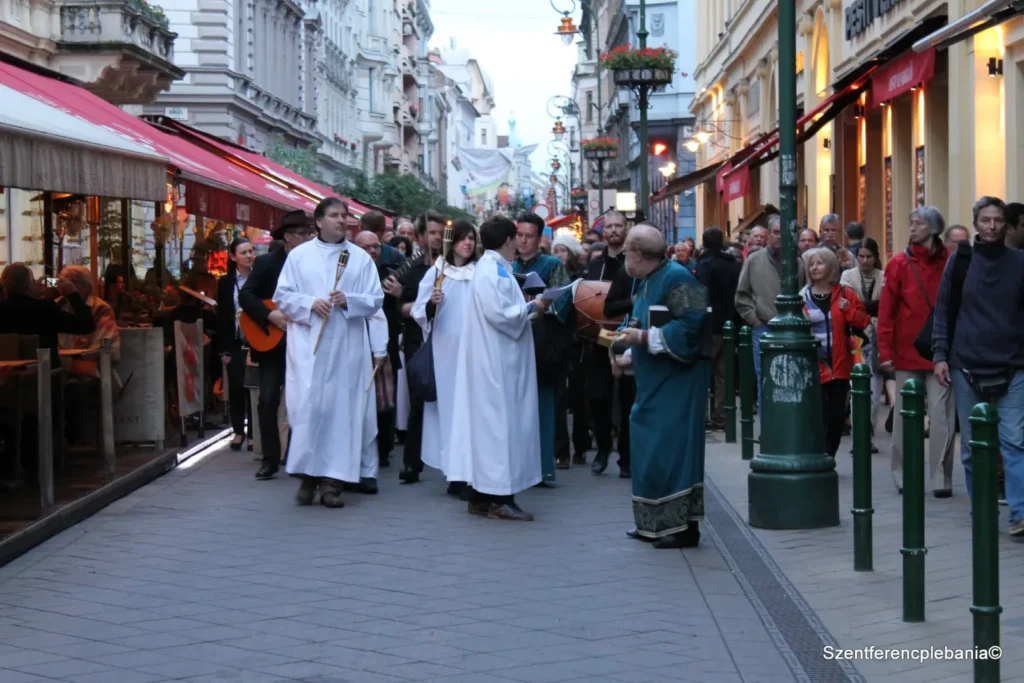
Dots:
pixel 495 437
pixel 333 416
pixel 443 309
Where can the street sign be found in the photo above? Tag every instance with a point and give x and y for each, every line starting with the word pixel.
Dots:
pixel 176 113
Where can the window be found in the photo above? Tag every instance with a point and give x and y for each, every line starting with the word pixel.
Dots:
pixel 590 106
pixel 483 137
pixel 370 94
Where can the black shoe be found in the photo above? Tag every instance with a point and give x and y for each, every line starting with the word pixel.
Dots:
pixel 943 493
pixel 562 463
pixel 249 447
pixel 684 539
pixel 468 494
pixel 367 485
pixel 635 535
pixel 579 459
pixel 408 476
pixel 625 472
pixel 385 462
pixel 600 463
pixel 266 472
pixel 237 445
pixel 455 488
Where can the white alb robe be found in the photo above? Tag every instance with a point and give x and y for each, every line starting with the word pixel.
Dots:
pixel 332 416
pixel 495 433
pixel 438 415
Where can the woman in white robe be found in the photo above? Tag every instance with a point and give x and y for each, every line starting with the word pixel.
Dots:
pixel 443 308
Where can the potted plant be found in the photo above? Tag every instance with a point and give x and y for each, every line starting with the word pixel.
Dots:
pixel 579 194
pixel 600 148
pixel 632 67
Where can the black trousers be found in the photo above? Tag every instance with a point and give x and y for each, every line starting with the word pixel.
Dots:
pixel 272 372
pixel 572 396
pixel 412 455
pixel 385 434
pixel 488 498
pixel 833 401
pixel 238 396
pixel 601 389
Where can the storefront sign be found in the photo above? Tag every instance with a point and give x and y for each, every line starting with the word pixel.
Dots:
pixel 901 75
pixel 860 14
pixel 737 184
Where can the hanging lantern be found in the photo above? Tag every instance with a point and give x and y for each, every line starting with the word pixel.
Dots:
pixel 556 164
pixel 566 30
pixel 559 130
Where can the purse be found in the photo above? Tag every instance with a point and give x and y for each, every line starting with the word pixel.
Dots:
pixel 991 386
pixel 923 342
pixel 419 372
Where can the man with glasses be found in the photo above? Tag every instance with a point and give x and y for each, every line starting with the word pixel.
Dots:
pixel 295 228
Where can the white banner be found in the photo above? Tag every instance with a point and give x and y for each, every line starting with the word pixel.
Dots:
pixel 188 355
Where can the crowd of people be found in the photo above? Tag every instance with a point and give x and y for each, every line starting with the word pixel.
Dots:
pixel 468 336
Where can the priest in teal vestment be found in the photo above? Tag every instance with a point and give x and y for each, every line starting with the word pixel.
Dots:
pixel 529 228
pixel 671 361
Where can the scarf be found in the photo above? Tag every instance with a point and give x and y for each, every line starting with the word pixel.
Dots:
pixel 820 322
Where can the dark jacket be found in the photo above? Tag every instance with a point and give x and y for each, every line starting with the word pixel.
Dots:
pixel 392 314
pixel 620 294
pixel 20 314
pixel 260 286
pixel 227 316
pixel 988 334
pixel 719 272
pixel 412 334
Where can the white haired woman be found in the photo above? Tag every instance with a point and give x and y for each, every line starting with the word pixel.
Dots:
pixel 833 310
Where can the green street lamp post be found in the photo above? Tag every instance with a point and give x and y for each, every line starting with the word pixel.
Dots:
pixel 793 482
pixel 643 92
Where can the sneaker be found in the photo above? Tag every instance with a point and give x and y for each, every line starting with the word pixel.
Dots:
pixel 1017 528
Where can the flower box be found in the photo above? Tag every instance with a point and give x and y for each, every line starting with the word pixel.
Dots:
pixel 652 78
pixel 624 57
pixel 600 148
pixel 598 154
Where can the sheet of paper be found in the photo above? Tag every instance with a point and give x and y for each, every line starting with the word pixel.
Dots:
pixel 532 281
pixel 554 292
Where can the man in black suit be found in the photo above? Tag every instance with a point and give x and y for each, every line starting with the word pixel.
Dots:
pixel 719 271
pixel 296 228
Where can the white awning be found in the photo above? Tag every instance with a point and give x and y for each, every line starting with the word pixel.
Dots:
pixel 44 148
pixel 991 13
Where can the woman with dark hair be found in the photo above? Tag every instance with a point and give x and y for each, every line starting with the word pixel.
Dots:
pixel 402 244
pixel 232 347
pixel 441 302
pixel 866 282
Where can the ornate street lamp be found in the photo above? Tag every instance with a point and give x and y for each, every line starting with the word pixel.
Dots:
pixel 567 30
pixel 555 164
pixel 559 129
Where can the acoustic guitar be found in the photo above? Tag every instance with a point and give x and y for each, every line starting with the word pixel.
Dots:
pixel 259 339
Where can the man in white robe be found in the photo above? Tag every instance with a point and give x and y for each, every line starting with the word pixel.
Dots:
pixel 331 407
pixel 495 436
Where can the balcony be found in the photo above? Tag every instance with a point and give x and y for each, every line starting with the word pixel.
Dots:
pixel 373 50
pixel 123 50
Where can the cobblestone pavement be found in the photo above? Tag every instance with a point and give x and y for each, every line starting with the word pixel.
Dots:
pixel 207 575
pixel 864 609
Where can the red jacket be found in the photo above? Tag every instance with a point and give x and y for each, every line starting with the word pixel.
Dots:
pixel 904 309
pixel 854 316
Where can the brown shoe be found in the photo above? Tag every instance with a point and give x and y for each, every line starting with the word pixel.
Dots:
pixel 330 493
pixel 475 508
pixel 509 511
pixel 306 492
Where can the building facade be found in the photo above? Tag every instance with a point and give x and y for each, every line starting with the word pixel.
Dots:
pixel 901 104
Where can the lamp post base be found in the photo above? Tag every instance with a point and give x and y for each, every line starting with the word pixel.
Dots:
pixel 801 500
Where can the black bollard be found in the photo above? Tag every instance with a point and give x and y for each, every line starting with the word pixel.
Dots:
pixel 729 338
pixel 747 393
pixel 913 549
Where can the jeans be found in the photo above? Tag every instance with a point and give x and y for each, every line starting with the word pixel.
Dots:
pixel 758 332
pixel 1011 436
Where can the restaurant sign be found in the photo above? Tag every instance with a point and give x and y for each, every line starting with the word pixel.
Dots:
pixel 860 14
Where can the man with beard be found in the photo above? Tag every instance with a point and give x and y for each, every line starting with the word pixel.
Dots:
pixel 429 233
pixel 607 266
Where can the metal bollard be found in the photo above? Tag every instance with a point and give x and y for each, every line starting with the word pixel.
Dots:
pixel 107 408
pixel 44 397
pixel 863 550
pixel 913 549
pixel 729 351
pixel 746 393
pixel 985 455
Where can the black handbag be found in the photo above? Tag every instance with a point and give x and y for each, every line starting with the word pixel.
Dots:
pixel 419 372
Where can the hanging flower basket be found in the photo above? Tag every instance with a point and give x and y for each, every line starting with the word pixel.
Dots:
pixel 579 194
pixel 651 67
pixel 600 148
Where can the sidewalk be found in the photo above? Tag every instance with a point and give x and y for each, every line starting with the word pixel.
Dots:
pixel 863 609
pixel 206 575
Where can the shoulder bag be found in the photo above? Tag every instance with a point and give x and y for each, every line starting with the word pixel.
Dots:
pixel 419 372
pixel 923 343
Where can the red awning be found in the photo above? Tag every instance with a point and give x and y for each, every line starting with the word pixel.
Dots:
pixel 901 75
pixel 215 188
pixel 262 164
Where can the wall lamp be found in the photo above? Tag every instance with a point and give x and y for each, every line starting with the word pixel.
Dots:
pixel 995 67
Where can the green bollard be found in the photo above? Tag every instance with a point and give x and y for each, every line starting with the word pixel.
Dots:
pixel 747 392
pixel 729 337
pixel 863 551
pixel 913 549
pixel 985 454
